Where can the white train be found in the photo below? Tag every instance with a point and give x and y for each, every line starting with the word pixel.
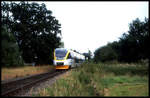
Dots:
pixel 65 59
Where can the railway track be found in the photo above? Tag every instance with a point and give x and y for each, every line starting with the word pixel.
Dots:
pixel 10 87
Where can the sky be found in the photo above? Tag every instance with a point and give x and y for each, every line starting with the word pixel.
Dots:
pixel 90 25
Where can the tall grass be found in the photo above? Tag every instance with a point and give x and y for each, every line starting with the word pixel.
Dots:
pixel 92 79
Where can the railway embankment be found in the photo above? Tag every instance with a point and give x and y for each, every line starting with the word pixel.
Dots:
pixel 19 72
pixel 101 80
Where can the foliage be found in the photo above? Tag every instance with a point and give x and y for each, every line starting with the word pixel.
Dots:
pixel 37 32
pixel 10 51
pixel 92 79
pixel 61 45
pixel 134 44
pixel 131 47
pixel 105 53
pixel 88 55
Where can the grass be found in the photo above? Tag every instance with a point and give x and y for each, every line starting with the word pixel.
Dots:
pixel 9 73
pixel 129 89
pixel 102 80
pixel 111 80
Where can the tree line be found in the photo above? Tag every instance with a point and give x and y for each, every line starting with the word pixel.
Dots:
pixel 132 46
pixel 29 33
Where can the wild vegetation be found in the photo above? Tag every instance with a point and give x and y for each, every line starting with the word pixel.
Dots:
pixel 131 47
pixel 32 31
pixel 30 34
pixel 10 51
pixel 102 79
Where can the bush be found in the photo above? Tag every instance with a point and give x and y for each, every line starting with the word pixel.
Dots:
pixel 104 54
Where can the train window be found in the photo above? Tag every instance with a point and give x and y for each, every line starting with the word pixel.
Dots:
pixel 60 53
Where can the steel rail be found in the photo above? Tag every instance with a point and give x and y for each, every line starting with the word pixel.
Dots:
pixel 8 88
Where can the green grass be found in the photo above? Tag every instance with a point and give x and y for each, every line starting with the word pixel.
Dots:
pixel 129 89
pixel 102 80
pixel 111 80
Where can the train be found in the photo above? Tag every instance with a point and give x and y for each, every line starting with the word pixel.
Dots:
pixel 67 58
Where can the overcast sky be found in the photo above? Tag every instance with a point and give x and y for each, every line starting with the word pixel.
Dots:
pixel 90 25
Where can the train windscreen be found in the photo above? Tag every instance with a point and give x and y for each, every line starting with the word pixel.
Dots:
pixel 60 53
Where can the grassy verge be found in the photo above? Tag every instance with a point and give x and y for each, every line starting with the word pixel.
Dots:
pixel 129 89
pixel 102 80
pixel 9 73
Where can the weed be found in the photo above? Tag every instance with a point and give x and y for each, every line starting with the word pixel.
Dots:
pixel 129 90
pixel 103 79
pixel 84 78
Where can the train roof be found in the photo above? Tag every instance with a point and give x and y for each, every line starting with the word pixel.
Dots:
pixel 61 49
pixel 68 49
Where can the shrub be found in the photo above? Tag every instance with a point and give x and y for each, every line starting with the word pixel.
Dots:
pixel 105 53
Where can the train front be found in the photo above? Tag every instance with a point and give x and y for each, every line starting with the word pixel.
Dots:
pixel 60 58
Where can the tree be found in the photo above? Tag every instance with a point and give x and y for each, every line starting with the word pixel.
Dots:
pixel 10 51
pixel 61 45
pixel 131 47
pixel 105 53
pixel 134 43
pixel 88 55
pixel 116 48
pixel 36 30
pixel 138 31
